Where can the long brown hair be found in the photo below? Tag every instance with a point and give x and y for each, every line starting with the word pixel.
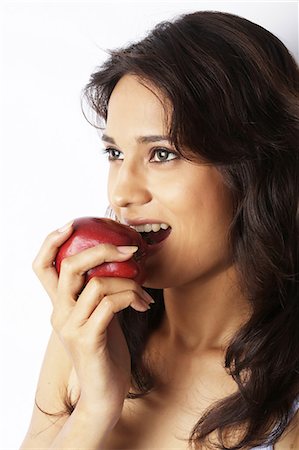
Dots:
pixel 234 90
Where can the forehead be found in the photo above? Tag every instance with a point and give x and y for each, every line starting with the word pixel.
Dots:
pixel 134 103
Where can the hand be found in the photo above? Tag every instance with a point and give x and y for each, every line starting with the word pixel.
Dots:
pixel 84 319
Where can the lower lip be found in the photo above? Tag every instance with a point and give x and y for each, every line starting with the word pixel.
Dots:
pixel 153 248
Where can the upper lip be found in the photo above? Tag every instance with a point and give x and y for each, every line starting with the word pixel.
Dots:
pixel 136 222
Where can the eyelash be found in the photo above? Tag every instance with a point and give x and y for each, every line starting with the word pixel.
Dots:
pixel 108 150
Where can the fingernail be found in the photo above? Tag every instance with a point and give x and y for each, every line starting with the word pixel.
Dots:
pixel 127 249
pixel 145 306
pixel 148 297
pixel 65 227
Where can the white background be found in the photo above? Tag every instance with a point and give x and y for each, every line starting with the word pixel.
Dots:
pixel 51 166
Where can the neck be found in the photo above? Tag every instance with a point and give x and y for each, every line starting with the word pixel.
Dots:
pixel 205 314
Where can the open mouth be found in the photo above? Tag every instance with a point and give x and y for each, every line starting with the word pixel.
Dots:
pixel 153 233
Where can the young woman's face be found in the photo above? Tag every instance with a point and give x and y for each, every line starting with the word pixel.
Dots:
pixel 151 183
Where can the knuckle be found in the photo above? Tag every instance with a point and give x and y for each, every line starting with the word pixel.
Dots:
pixel 67 264
pixel 96 284
pixel 105 246
pixel 107 302
pixel 105 250
pixel 132 296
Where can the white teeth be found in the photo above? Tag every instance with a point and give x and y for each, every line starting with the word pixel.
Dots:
pixel 138 228
pixel 155 227
pixel 150 227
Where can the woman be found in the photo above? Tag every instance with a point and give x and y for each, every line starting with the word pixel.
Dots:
pixel 201 129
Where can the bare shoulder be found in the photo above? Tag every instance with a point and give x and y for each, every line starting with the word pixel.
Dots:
pixel 290 438
pixel 51 389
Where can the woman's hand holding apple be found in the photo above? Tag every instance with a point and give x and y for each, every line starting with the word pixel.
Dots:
pixel 84 319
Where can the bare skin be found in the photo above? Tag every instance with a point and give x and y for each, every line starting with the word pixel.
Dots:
pixel 203 305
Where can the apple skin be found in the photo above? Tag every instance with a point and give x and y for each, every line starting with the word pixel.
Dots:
pixel 91 231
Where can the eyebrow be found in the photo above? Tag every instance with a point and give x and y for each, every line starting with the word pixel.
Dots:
pixel 139 139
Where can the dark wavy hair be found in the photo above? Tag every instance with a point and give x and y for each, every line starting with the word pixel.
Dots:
pixel 233 87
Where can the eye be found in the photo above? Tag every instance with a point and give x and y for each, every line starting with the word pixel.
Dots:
pixel 163 155
pixel 113 154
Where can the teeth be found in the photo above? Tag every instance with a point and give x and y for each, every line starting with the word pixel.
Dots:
pixel 156 227
pixel 150 227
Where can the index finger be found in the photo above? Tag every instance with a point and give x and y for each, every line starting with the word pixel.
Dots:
pixel 73 268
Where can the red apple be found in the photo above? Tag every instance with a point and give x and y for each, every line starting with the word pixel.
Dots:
pixel 91 231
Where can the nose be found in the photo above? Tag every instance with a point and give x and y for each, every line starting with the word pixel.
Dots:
pixel 128 186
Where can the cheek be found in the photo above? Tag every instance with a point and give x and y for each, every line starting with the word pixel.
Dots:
pixel 198 245
pixel 180 268
pixel 207 227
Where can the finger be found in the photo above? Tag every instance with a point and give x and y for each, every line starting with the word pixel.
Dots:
pixel 111 304
pixel 43 262
pixel 73 268
pixel 98 288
